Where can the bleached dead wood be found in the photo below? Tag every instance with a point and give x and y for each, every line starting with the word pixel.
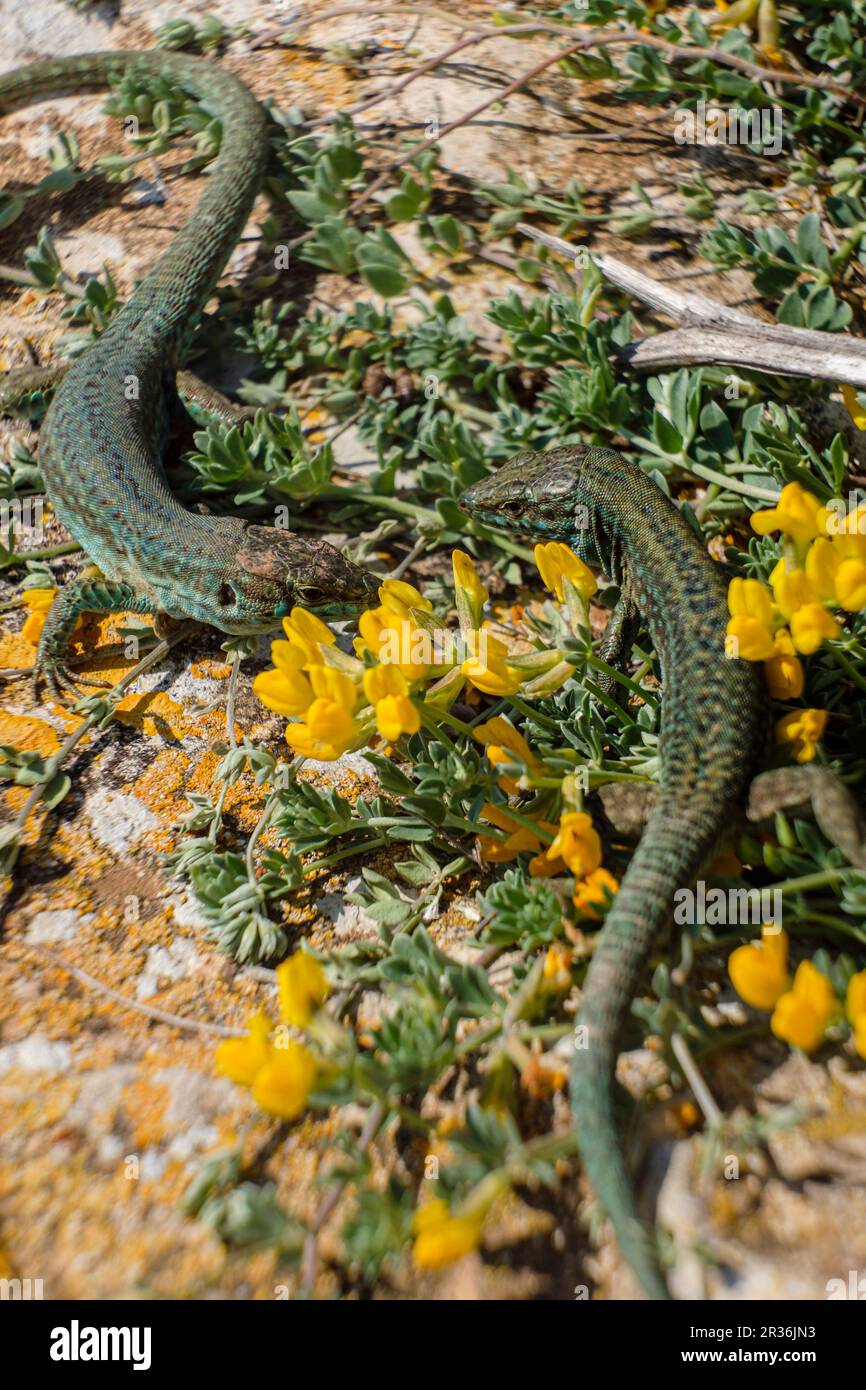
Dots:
pixel 714 333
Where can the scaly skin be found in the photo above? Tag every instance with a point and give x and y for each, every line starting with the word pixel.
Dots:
pixel 102 439
pixel 712 730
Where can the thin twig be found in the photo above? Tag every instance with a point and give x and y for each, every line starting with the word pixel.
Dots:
pixel 191 1025
pixel 700 1089
pixel 311 1255
pixel 596 38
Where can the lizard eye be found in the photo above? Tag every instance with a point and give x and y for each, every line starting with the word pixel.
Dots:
pixel 226 595
pixel 310 593
pixel 512 508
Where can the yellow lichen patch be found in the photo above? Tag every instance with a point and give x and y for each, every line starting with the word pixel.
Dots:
pixel 15 652
pixel 153 713
pixel 208 669
pixel 94 639
pixel 21 731
pixel 145 1103
pixel 202 775
pixel 243 798
pixel 159 782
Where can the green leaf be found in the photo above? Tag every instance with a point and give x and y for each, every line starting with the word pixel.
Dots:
pixel 811 247
pixel 314 207
pixel 56 789
pixel 666 435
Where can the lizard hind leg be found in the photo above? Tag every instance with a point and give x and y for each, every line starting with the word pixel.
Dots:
pixel 80 596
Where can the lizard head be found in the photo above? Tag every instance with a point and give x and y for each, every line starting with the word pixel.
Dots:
pixel 542 495
pixel 274 570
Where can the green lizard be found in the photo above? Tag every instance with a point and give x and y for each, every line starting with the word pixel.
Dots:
pixel 713 724
pixel 102 440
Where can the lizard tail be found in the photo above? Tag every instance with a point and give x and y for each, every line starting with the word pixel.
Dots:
pixel 669 855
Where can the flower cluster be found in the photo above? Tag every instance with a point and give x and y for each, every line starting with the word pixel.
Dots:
pixel 802 1008
pixel 573 846
pixel 339 701
pixel 822 572
pixel 279 1071
pixel 407 671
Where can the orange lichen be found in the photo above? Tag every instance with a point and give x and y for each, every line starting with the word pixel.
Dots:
pixel 15 652
pixel 22 731
pixel 145 1103
pixel 210 670
pixel 154 713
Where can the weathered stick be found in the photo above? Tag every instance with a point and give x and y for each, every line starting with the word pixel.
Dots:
pixel 715 333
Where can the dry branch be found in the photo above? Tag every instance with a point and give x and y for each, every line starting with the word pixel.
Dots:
pixel 715 333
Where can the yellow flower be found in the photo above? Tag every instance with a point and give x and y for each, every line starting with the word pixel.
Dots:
pixel 307 632
pixel 326 734
pixel 769 32
pixel 838 567
pixel 556 975
pixel 751 621
pixel 502 744
pixel 38 602
pixel 442 1238
pixel 802 1015
pixel 741 11
pixel 285 689
pixel 577 843
pixel 470 594
pixel 330 684
pixel 393 639
pixel 784 671
pixel 797 514
pixel 803 730
pixel 850 522
pixel 487 668
pixel 282 1085
pixel 792 588
pixel 822 562
pixel 547 865
pixel 812 625
pixel 401 597
pixel 850 577
pixel 303 986
pixel 241 1059
pixel 759 971
pixel 557 562
pixel 860 1035
pixel 855 1000
pixel 853 406
pixel 328 728
pixel 520 837
pixel 388 691
pixel 799 600
pixel 591 893
pixel 851 585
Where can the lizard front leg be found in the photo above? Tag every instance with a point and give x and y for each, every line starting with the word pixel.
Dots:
pixel 616 643
pixel 80 596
